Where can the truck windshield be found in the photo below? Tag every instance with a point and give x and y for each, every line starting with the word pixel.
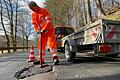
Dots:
pixel 64 30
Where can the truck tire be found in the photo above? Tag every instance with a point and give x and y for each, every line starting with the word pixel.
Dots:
pixel 69 55
pixel 95 48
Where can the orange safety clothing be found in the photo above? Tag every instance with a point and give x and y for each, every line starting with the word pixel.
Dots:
pixel 36 20
pixel 44 20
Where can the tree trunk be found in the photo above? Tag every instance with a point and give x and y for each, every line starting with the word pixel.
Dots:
pixel 84 13
pixel 7 38
pixel 89 10
pixel 27 41
pixel 23 42
pixel 99 6
pixel 11 25
pixel 15 42
pixel 8 45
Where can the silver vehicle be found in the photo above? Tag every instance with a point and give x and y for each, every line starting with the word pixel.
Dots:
pixel 102 37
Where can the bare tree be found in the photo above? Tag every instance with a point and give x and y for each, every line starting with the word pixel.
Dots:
pixel 13 13
pixel 15 32
pixel 2 22
pixel 99 5
pixel 25 28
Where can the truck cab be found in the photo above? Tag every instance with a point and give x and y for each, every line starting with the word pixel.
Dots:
pixel 61 32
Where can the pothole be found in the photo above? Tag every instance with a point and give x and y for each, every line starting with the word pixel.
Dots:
pixel 31 70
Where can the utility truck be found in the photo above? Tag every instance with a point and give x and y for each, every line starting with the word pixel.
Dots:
pixel 102 37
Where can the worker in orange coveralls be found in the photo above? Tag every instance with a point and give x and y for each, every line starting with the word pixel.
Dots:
pixel 41 17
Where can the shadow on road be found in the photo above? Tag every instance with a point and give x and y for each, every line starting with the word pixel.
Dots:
pixel 90 59
pixel 98 59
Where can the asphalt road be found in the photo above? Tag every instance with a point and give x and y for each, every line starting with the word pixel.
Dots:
pixel 11 63
pixel 87 67
pixel 83 68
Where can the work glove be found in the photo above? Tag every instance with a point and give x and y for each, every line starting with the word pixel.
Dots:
pixel 41 31
pixel 38 32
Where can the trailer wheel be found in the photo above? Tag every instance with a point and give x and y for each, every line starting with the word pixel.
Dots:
pixel 69 55
pixel 112 55
pixel 95 48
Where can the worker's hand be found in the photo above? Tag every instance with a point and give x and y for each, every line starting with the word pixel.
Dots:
pixel 38 32
pixel 43 31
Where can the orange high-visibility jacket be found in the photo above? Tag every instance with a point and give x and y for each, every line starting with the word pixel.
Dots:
pixel 43 20
pixel 36 20
pixel 48 19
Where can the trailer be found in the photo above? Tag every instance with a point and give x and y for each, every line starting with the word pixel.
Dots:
pixel 102 37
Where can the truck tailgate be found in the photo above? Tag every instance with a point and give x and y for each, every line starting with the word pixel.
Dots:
pixel 111 31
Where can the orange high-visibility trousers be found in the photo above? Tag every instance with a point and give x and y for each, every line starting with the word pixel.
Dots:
pixel 48 36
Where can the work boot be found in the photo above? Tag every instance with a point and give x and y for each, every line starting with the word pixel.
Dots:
pixel 38 62
pixel 55 61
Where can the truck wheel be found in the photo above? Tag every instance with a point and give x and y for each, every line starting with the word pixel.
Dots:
pixel 95 49
pixel 69 55
pixel 112 55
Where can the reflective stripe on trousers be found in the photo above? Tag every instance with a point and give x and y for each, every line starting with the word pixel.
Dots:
pixel 54 54
pixel 43 55
pixel 43 58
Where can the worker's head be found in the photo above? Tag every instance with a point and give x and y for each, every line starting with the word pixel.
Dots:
pixel 36 4
pixel 33 6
